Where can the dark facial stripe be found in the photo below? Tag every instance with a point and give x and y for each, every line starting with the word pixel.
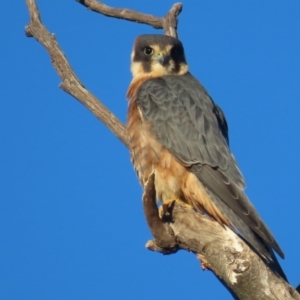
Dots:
pixel 177 57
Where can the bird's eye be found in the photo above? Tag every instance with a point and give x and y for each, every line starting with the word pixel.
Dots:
pixel 148 50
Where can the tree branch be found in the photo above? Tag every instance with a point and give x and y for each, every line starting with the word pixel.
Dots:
pixel 168 23
pixel 219 249
pixel 122 13
pixel 70 82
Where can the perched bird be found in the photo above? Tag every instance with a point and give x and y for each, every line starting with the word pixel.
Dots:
pixel 177 131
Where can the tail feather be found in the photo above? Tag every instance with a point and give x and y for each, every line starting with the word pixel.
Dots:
pixel 253 240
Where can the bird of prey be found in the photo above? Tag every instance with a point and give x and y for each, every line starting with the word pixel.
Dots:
pixel 177 131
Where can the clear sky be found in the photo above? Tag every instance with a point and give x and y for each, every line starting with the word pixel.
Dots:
pixel 71 220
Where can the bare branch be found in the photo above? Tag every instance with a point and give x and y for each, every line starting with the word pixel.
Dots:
pixel 219 249
pixel 168 23
pixel 70 82
pixel 122 13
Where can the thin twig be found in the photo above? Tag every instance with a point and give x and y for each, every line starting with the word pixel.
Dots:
pixel 122 13
pixel 168 23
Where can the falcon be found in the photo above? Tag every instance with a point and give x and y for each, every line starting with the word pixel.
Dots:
pixel 177 131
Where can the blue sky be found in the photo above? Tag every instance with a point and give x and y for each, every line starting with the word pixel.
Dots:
pixel 71 220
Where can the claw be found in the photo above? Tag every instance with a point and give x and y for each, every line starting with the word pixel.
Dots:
pixel 164 209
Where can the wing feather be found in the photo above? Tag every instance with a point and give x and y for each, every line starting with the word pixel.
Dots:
pixel 186 121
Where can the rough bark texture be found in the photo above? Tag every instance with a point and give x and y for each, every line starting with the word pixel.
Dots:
pixel 220 250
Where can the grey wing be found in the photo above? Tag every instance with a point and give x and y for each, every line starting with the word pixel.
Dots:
pixel 186 121
pixel 223 126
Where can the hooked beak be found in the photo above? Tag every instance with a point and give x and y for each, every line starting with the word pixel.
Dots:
pixel 162 58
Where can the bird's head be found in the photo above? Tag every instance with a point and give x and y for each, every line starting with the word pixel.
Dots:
pixel 157 55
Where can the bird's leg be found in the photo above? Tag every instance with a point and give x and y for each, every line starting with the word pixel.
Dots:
pixel 165 209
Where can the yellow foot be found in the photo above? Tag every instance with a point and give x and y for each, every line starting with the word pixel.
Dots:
pixel 165 209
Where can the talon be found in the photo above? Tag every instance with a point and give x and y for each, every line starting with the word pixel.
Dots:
pixel 164 209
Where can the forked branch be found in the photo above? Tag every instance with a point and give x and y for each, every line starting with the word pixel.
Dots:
pixel 168 23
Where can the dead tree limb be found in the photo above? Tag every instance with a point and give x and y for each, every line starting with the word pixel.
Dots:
pixel 70 82
pixel 168 23
pixel 218 248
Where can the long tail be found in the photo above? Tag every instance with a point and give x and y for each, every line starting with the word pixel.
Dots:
pixel 251 238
